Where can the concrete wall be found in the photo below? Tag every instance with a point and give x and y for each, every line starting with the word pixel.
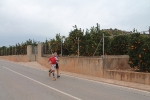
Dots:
pixel 16 58
pixel 86 66
pixel 94 67
pixel 116 62
pixel 129 76
pixel 89 66
pixel 31 57
pixel 22 58
pixel 44 61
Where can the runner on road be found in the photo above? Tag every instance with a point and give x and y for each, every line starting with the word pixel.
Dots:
pixel 57 66
pixel 52 61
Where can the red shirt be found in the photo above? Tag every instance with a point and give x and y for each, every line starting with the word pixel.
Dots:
pixel 52 60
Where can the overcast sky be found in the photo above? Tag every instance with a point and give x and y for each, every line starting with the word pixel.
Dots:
pixel 21 20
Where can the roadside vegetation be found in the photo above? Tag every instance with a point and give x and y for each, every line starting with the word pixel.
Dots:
pixel 89 43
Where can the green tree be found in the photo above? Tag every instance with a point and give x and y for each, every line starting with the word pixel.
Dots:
pixel 55 44
pixel 136 41
pixel 144 56
pixel 71 42
pixel 46 47
pixel 119 45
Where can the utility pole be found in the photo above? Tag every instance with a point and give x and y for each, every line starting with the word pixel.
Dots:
pixel 61 46
pixel 62 37
pixel 98 27
pixel 149 31
pixel 78 46
pixel 103 45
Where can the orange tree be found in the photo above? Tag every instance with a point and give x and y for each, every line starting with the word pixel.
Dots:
pixel 65 46
pixel 87 43
pixel 136 41
pixel 3 50
pixel 114 43
pixel 92 40
pixel 144 56
pixel 55 44
pixel 45 47
pixel 119 45
pixel 71 43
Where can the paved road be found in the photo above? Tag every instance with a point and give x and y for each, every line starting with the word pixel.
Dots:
pixel 18 82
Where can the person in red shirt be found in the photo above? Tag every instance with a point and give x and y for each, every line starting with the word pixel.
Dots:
pixel 52 61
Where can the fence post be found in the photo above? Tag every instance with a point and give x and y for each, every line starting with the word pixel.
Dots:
pixel 40 50
pixel 29 52
pixel 103 45
pixel 149 31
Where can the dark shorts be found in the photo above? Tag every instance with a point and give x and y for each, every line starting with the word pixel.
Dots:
pixel 57 66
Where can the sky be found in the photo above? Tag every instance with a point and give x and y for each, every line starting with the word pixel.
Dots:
pixel 38 20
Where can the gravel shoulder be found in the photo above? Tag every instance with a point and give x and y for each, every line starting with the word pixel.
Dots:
pixel 109 81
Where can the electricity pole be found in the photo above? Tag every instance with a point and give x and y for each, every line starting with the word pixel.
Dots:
pixel 78 46
pixel 103 51
pixel 61 43
pixel 149 31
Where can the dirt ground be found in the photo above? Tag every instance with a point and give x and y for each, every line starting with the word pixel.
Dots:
pixel 110 81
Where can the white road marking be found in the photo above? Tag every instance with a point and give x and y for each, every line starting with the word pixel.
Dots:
pixel 99 82
pixel 106 83
pixel 43 84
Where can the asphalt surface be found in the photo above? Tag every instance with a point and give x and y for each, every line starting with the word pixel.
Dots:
pixel 18 82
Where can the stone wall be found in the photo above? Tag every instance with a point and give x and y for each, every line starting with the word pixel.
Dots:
pixel 86 66
pixel 44 61
pixel 129 76
pixel 22 58
pixel 116 62
pixel 31 57
pixel 94 67
pixel 112 68
pixel 16 58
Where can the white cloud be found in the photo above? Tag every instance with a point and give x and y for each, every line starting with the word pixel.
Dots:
pixel 41 19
